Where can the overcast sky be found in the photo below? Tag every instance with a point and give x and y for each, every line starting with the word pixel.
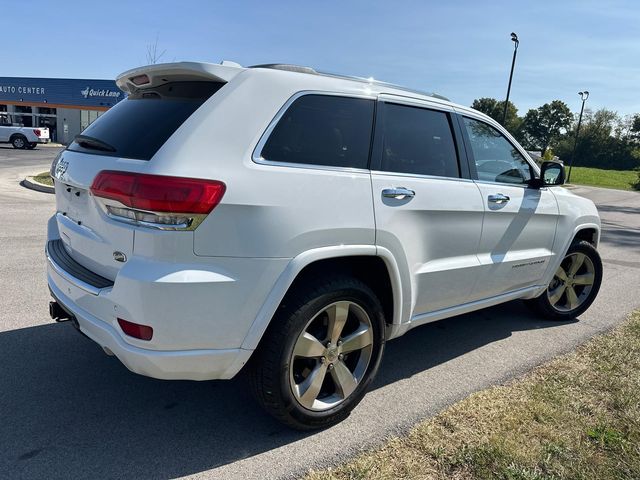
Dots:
pixel 460 49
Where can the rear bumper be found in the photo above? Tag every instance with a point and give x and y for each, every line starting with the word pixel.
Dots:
pixel 166 365
pixel 200 313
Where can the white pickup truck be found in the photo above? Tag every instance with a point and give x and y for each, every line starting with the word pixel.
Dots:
pixel 23 137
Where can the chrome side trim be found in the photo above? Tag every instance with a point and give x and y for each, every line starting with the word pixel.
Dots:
pixel 418 176
pixel 69 278
pixel 524 186
pixel 257 157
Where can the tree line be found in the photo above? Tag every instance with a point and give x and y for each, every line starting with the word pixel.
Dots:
pixel 606 140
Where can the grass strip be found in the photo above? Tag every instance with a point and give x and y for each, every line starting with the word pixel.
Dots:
pixel 44 178
pixel 597 177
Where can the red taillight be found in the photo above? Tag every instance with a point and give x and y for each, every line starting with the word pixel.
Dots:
pixel 37 132
pixel 159 193
pixel 143 332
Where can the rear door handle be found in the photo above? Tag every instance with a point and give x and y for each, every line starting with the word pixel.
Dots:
pixel 499 198
pixel 399 193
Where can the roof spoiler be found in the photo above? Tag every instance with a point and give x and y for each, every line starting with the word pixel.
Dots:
pixel 161 73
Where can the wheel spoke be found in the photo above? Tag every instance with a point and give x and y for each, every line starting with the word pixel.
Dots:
pixel 309 389
pixel 363 337
pixel 586 279
pixel 555 295
pixel 561 274
pixel 308 346
pixel 572 298
pixel 343 378
pixel 576 263
pixel 338 314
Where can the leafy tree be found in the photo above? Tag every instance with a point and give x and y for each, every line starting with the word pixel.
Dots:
pixel 634 128
pixel 545 125
pixel 548 155
pixel 495 109
pixel 605 141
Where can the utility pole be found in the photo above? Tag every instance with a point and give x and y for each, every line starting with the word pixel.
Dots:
pixel 516 42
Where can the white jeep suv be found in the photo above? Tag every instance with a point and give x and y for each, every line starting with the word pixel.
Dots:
pixel 290 222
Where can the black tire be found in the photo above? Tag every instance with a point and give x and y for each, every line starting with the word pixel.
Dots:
pixel 269 371
pixel 544 306
pixel 19 142
pixel 32 145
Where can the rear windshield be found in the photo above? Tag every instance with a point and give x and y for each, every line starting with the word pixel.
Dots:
pixel 139 125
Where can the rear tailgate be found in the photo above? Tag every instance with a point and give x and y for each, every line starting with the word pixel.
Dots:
pixel 88 235
pixel 43 133
pixel 125 139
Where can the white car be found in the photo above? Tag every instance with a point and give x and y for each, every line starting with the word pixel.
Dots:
pixel 23 137
pixel 291 222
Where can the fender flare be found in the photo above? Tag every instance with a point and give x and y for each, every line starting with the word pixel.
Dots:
pixel 18 134
pixel 555 263
pixel 298 263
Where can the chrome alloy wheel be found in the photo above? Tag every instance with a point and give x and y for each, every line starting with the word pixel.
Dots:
pixel 331 356
pixel 572 282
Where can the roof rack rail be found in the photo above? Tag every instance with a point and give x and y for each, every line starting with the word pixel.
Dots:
pixel 313 71
pixel 384 84
pixel 287 67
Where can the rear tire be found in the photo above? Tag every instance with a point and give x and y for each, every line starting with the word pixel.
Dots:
pixel 19 142
pixel 302 379
pixel 574 286
pixel 31 146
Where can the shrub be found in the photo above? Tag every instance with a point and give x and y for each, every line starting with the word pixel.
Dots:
pixel 636 185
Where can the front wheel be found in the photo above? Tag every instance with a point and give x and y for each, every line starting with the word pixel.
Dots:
pixel 574 286
pixel 320 353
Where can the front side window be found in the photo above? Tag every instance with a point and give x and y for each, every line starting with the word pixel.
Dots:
pixel 497 160
pixel 418 141
pixel 323 130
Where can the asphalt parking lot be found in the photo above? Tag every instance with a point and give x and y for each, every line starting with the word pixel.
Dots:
pixel 70 411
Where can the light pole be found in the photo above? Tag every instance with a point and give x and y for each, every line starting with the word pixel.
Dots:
pixel 516 42
pixel 583 95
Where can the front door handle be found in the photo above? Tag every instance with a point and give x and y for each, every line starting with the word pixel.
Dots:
pixel 399 193
pixel 499 198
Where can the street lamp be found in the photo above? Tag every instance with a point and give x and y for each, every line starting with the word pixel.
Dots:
pixel 516 42
pixel 583 95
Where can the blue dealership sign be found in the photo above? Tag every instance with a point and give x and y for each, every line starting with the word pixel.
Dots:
pixel 60 91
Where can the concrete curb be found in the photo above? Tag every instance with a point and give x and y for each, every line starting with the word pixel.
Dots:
pixel 32 184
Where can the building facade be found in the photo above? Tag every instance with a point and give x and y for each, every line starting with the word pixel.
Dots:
pixel 65 106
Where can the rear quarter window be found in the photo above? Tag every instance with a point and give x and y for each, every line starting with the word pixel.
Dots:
pixel 323 130
pixel 139 125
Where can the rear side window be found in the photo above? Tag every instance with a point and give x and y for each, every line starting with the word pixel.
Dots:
pixel 418 141
pixel 139 125
pixel 323 130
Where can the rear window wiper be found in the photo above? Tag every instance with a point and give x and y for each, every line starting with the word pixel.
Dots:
pixel 93 143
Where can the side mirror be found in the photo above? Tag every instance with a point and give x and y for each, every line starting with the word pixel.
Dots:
pixel 551 174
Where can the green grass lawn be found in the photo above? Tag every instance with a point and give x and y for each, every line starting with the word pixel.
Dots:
pixel 619 179
pixel 45 178
pixel 577 417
